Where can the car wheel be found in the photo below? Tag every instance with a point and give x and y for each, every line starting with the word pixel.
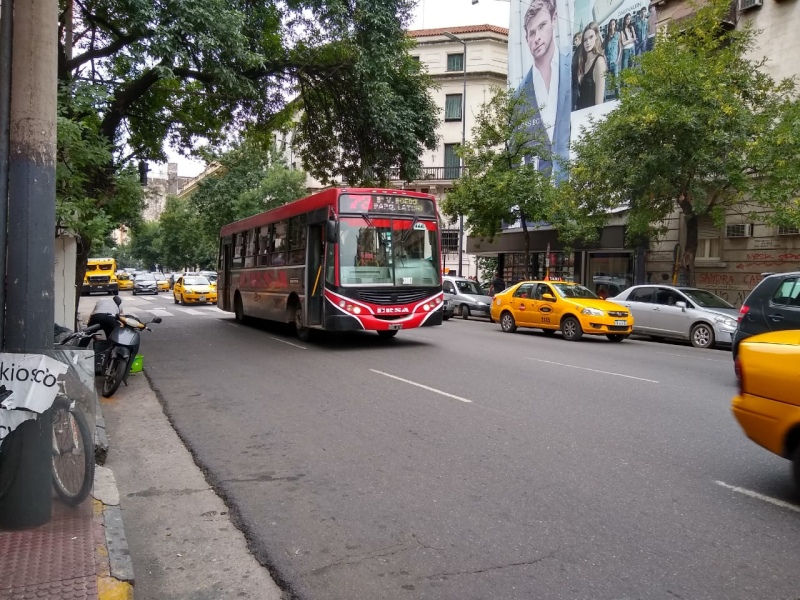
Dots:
pixel 549 332
pixel 796 465
pixel 238 309
pixel 464 312
pixel 183 300
pixel 571 329
pixel 702 336
pixel 303 332
pixel 387 334
pixel 175 298
pixel 616 337
pixel 507 322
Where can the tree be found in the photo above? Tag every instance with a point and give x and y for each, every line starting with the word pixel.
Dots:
pixel 252 180
pixel 147 73
pixel 700 126
pixel 498 184
pixel 182 241
pixel 145 244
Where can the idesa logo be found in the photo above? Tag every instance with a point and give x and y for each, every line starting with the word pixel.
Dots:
pixel 392 311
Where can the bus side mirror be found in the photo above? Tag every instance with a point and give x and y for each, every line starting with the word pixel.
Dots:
pixel 330 231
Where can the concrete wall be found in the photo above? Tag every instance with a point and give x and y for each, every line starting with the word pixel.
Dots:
pixel 66 247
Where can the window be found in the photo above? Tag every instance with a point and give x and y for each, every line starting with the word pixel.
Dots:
pixel 279 244
pixel 455 62
pixel 264 238
pixel 788 230
pixel 252 248
pixel 450 241
pixel 448 287
pixel 788 294
pixel 238 250
pixel 452 107
pixel 524 291
pixel 708 249
pixel 642 295
pixel 542 289
pixel 452 164
pixel 297 240
pixel 667 297
pixel 415 58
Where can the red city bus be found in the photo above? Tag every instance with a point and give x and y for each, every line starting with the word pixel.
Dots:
pixel 344 259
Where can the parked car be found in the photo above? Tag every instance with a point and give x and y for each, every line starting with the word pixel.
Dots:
pixel 768 405
pixel 193 289
pixel 773 305
pixel 683 313
pixel 145 283
pixel 124 281
pixel 468 297
pixel 558 305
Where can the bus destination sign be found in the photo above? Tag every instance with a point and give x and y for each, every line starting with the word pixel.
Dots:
pixel 386 204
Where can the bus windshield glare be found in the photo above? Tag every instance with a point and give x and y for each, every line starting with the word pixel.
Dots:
pixel 388 251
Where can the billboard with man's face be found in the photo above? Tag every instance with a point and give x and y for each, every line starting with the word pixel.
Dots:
pixel 564 56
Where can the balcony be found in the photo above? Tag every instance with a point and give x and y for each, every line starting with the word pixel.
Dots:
pixel 432 174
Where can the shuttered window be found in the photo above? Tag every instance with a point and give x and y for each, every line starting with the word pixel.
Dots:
pixel 452 107
pixel 455 62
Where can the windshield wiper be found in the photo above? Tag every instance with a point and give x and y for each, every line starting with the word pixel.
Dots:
pixel 367 218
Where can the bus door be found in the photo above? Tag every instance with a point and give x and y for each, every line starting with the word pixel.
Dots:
pixel 224 279
pixel 315 266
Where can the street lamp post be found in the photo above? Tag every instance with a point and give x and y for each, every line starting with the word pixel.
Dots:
pixel 463 141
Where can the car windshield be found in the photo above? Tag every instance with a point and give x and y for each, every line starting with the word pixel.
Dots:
pixel 388 251
pixel 465 286
pixel 573 291
pixel 145 277
pixel 195 281
pixel 706 299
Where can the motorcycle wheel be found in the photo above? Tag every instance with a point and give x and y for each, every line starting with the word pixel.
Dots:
pixel 114 376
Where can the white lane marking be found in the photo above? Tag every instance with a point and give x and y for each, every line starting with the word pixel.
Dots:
pixel 758 496
pixel 693 357
pixel 159 312
pixel 191 311
pixel 550 362
pixel 424 387
pixel 288 343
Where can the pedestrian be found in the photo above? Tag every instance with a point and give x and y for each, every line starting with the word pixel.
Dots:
pixel 105 313
pixel 498 285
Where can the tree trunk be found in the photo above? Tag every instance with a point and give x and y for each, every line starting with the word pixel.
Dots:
pixel 523 220
pixel 690 251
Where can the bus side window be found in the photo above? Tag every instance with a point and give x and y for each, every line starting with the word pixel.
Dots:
pixel 238 251
pixel 252 248
pixel 264 240
pixel 297 240
pixel 279 244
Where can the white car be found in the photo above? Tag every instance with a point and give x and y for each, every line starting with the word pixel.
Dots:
pixel 685 313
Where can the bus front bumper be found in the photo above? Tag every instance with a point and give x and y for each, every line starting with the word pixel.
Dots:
pixel 342 322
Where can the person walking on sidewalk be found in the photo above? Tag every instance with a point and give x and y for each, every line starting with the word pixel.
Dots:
pixel 498 285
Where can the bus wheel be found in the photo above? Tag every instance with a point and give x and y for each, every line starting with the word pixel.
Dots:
pixel 238 309
pixel 387 334
pixel 303 332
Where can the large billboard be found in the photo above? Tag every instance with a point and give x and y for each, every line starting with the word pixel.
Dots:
pixel 564 56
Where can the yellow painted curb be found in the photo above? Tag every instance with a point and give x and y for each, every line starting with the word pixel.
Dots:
pixel 109 588
pixel 97 507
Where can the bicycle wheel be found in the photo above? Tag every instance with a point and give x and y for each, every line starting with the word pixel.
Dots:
pixel 73 453
pixel 10 452
pixel 114 375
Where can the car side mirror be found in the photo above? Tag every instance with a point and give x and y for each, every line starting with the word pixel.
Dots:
pixel 548 298
pixel 330 231
pixel 117 300
pixel 681 304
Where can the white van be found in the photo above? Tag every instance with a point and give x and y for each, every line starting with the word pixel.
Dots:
pixel 468 296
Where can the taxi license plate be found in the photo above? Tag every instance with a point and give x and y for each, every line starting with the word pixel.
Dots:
pixel 622 322
pixel 395 326
pixel 202 299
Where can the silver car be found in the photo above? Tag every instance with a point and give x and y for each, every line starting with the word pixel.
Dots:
pixel 468 296
pixel 685 313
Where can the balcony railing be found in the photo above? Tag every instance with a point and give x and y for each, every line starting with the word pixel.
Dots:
pixel 432 174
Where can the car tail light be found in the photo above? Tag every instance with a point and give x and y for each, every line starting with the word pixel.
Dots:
pixel 742 312
pixel 737 366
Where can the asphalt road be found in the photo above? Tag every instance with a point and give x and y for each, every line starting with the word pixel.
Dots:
pixel 459 462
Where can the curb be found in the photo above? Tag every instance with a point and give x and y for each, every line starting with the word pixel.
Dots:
pixel 115 577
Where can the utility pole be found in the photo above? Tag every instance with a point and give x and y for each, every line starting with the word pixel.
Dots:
pixel 31 256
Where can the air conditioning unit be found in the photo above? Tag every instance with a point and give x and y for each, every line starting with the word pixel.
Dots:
pixel 740 230
pixel 748 4
pixel 788 230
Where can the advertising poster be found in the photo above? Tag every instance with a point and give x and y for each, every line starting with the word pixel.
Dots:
pixel 563 55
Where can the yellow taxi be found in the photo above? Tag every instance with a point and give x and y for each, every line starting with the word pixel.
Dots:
pixel 162 281
pixel 768 404
pixel 560 306
pixel 193 289
pixel 125 281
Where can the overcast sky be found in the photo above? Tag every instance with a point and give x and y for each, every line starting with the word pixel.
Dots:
pixel 429 14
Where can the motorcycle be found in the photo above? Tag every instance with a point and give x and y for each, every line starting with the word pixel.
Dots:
pixel 123 347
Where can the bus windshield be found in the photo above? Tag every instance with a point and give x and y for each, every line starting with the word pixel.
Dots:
pixel 388 251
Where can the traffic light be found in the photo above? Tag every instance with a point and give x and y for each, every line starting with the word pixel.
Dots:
pixel 143 169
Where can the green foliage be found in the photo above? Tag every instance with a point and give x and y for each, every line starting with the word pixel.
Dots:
pixel 497 185
pixel 699 125
pixel 253 179
pixel 182 243
pixel 145 244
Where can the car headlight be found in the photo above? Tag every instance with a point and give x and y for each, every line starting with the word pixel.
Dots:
pixel 726 321
pixel 594 312
pixel 479 303
pixel 189 291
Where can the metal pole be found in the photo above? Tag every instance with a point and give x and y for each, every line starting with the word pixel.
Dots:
pixel 463 141
pixel 6 14
pixel 31 250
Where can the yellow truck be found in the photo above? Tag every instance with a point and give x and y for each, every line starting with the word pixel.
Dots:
pixel 101 276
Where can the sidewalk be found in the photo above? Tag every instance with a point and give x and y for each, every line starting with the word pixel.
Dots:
pixel 82 553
